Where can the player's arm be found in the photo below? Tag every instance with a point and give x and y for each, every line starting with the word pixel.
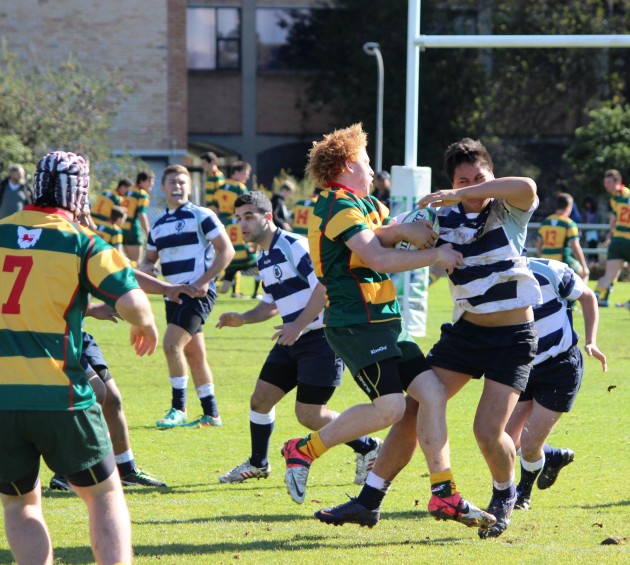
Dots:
pixel 420 234
pixel 590 312
pixel 519 192
pixel 148 262
pixel 578 253
pixel 366 245
pixel 539 245
pixel 143 220
pixel 289 333
pixel 134 307
pixel 223 255
pixel 262 312
pixel 153 285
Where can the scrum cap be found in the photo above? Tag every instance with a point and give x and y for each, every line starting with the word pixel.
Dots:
pixel 62 179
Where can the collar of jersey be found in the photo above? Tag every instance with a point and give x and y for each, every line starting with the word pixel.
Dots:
pixel 51 210
pixel 336 185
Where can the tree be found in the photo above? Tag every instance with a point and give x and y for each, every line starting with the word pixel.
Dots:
pixel 519 102
pixel 63 107
pixel 602 144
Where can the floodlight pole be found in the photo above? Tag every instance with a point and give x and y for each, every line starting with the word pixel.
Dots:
pixel 372 48
pixel 416 42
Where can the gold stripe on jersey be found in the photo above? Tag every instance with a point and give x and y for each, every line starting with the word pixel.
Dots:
pixel 378 293
pixel 103 264
pixel 32 371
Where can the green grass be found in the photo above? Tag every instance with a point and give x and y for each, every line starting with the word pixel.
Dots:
pixel 199 520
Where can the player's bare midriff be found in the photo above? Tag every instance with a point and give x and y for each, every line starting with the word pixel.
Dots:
pixel 497 319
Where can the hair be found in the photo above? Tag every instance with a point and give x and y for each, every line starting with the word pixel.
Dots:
pixel 614 174
pixel 125 181
pixel 589 202
pixel 62 179
pixel 467 151
pixel 174 169
pixel 16 169
pixel 563 201
pixel 241 166
pixel 117 213
pixel 254 198
pixel 209 157
pixel 144 176
pixel 287 185
pixel 327 158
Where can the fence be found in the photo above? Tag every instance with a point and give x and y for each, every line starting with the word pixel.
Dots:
pixel 581 227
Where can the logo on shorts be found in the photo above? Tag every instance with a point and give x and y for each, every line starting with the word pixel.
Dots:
pixel 28 238
pixel 378 349
pixel 361 382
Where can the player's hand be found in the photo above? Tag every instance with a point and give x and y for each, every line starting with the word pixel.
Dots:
pixel 144 339
pixel 230 319
pixel 420 234
pixel 287 334
pixel 175 290
pixel 201 289
pixel 441 198
pixel 449 258
pixel 593 351
pixel 103 311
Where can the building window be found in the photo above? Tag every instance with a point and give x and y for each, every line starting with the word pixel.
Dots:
pixel 285 38
pixel 213 38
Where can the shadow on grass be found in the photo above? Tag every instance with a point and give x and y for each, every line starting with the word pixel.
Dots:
pixel 81 555
pixel 606 504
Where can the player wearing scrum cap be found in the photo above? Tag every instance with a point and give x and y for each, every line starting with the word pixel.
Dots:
pixel 50 264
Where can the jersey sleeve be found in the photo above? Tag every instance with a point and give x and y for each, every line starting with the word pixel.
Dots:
pixel 105 272
pixel 143 203
pixel 572 231
pixel 302 261
pixel 518 216
pixel 347 220
pixel 211 226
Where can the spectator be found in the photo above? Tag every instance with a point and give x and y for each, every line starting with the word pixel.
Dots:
pixel 278 203
pixel 382 184
pixel 14 192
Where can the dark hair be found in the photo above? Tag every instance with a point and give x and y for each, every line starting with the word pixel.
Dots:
pixel 614 174
pixel 125 181
pixel 144 175
pixel 468 151
pixel 564 200
pixel 589 202
pixel 255 198
pixel 209 157
pixel 241 166
pixel 116 213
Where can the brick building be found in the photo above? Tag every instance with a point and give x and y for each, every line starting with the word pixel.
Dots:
pixel 205 74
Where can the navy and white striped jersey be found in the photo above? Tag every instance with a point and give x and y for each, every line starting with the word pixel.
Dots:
pixel 182 238
pixel 559 285
pixel 288 276
pixel 494 276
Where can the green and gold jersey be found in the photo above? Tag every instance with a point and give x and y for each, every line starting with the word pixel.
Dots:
pixel 212 184
pixel 244 253
pixel 356 294
pixel 112 234
pixel 301 212
pixel 136 201
pixel 101 208
pixel 556 232
pixel 224 198
pixel 620 204
pixel 50 266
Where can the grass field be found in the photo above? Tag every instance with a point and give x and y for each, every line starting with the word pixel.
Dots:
pixel 198 521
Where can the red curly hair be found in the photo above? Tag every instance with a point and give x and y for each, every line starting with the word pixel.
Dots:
pixel 327 157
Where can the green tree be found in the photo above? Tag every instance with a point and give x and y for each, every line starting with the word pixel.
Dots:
pixel 59 107
pixel 521 103
pixel 603 143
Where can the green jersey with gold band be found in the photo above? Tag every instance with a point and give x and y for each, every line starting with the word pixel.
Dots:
pixel 212 184
pixel 557 232
pixel 356 294
pixel 620 204
pixel 49 267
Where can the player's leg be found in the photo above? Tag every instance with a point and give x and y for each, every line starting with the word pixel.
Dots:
pixel 24 522
pixel 535 433
pixel 110 527
pixel 604 285
pixel 175 340
pixel 195 353
pixel 262 418
pixel 134 254
pixel 394 455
